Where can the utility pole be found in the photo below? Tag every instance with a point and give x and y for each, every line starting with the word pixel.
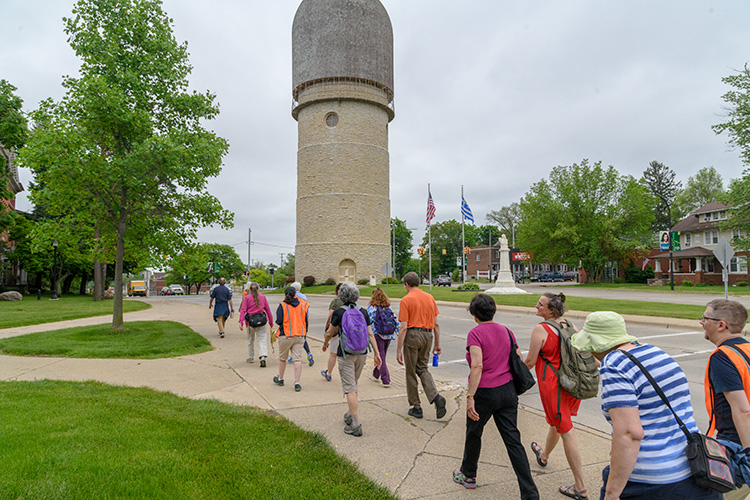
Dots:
pixel 249 242
pixel 281 261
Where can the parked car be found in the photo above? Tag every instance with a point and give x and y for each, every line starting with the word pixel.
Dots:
pixel 442 280
pixel 177 290
pixel 570 275
pixel 535 278
pixel 549 277
pixel 165 290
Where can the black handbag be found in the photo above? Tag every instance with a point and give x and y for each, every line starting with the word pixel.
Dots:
pixel 523 380
pixel 255 320
pixel 709 460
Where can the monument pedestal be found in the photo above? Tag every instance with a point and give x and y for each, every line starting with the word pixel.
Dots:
pixel 505 284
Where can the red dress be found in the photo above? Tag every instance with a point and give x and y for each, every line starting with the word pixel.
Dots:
pixel 548 387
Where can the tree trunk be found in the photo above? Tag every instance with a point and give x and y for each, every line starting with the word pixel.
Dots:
pixel 117 322
pixel 84 281
pixel 99 274
pixel 67 283
pixel 38 281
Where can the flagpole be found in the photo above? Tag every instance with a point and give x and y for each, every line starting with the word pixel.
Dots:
pixel 463 240
pixel 429 238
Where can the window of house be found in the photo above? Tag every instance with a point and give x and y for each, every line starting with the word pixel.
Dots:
pixel 477 257
pixel 712 237
pixel 736 233
pixel 688 238
pixel 706 217
pixel 708 264
pixel 738 265
pixel 497 254
pixel 723 214
pixel 697 239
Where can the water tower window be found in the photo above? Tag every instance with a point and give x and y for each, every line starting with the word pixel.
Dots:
pixel 332 119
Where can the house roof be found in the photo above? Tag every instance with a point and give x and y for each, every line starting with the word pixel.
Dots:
pixel 688 253
pixel 693 222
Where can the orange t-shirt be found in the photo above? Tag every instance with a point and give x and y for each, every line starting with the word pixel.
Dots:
pixel 418 309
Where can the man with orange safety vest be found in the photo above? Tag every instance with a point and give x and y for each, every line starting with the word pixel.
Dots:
pixel 292 318
pixel 727 380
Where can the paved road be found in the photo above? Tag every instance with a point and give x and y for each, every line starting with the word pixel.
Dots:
pixel 683 340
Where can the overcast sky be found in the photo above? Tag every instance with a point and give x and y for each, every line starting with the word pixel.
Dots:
pixel 491 94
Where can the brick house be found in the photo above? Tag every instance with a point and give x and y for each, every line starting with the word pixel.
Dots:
pixel 11 274
pixel 700 232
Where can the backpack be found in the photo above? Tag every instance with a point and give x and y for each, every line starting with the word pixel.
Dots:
pixel 385 321
pixel 578 374
pixel 353 332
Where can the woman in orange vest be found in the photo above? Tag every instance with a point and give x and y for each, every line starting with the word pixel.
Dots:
pixel 292 318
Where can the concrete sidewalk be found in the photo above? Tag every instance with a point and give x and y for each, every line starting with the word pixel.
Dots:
pixel 413 458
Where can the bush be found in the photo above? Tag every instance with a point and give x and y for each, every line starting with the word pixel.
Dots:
pixel 456 275
pixel 289 280
pixel 617 280
pixel 634 274
pixel 687 283
pixel 330 281
pixel 363 281
pixel 701 284
pixel 309 280
pixel 741 283
pixel 390 280
pixel 469 286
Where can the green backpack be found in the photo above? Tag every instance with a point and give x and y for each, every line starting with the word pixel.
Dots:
pixel 578 374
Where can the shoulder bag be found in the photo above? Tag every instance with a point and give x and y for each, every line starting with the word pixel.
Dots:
pixel 523 380
pixel 709 461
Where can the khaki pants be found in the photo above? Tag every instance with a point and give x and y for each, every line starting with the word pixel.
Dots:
pixel 261 334
pixel 417 350
pixel 738 494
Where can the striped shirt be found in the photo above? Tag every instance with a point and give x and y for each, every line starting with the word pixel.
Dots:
pixel 661 458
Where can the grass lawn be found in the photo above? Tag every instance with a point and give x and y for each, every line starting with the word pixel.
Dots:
pixel 139 340
pixel 30 311
pixel 90 440
pixel 678 288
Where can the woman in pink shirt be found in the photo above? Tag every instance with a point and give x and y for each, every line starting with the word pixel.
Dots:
pixel 256 304
pixel 491 393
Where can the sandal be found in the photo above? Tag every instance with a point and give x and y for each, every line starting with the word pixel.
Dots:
pixel 538 452
pixel 573 492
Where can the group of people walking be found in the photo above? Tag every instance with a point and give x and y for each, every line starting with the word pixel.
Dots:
pixel 648 446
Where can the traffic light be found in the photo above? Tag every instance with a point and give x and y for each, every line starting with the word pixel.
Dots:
pixel 467 250
pixel 420 250
pixel 444 251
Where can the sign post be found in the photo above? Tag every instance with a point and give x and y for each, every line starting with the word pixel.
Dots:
pixel 387 270
pixel 724 253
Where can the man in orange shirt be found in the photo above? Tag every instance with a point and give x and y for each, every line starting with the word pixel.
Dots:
pixel 418 316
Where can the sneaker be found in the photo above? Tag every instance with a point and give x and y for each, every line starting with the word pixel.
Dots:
pixel 439 403
pixel 278 381
pixel 468 482
pixel 250 360
pixel 310 360
pixel 353 430
pixel 326 375
pixel 297 387
pixel 221 335
pixel 386 384
pixel 348 418
pixel 263 363
pixel 415 412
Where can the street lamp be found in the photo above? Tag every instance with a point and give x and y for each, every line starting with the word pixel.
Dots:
pixel 671 261
pixel 54 266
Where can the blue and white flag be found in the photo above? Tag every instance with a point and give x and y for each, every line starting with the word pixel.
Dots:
pixel 466 211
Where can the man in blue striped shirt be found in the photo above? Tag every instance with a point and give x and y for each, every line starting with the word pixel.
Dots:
pixel 648 448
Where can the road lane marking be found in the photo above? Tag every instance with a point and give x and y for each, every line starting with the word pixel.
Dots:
pixel 670 335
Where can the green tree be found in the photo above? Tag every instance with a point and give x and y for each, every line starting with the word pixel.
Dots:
pixel 737 197
pixel 703 187
pixel 661 181
pixel 447 235
pixel 13 134
pixel 404 245
pixel 737 126
pixel 585 212
pixel 507 219
pixel 125 148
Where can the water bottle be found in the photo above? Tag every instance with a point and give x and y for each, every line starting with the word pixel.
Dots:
pixel 434 360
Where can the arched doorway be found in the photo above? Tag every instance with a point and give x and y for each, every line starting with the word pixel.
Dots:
pixel 347 270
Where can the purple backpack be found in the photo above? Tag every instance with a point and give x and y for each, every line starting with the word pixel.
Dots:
pixel 353 331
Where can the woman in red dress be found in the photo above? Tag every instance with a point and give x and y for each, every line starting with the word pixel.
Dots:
pixel 558 405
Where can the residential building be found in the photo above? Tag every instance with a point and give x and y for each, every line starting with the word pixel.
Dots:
pixel 11 274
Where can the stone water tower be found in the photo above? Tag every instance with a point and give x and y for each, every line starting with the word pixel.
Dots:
pixel 342 76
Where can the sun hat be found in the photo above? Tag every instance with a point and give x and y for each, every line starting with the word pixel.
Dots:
pixel 602 331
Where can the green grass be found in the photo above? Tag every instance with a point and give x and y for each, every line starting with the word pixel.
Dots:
pixel 30 311
pixel 678 288
pixel 90 440
pixel 139 340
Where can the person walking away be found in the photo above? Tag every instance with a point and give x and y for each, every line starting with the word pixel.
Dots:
pixel 417 314
pixel 385 327
pixel 491 393
pixel 255 303
pixel 648 458
pixel 351 362
pixel 334 343
pixel 292 318
pixel 302 297
pixel 224 307
pixel 559 406
pixel 727 381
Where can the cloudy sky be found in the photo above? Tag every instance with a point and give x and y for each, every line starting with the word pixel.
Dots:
pixel 491 94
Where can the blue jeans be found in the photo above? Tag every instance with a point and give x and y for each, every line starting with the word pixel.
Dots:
pixel 687 489
pixel 501 403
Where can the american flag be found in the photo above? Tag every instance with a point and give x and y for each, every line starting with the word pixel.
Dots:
pixel 430 207
pixel 646 260
pixel 466 211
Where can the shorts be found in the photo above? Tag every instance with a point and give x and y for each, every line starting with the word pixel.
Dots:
pixel 333 344
pixel 350 368
pixel 295 345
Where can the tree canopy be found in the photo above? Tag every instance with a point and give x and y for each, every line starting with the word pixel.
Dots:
pixel 507 219
pixel 403 241
pixel 703 187
pixel 447 235
pixel 125 149
pixel 661 181
pixel 585 212
pixel 737 110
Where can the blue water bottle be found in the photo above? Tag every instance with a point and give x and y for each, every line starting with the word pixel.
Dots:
pixel 434 360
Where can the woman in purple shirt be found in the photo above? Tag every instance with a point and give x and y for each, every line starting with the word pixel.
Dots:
pixel 491 394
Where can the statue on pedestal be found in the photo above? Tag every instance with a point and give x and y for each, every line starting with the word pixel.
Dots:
pixel 505 284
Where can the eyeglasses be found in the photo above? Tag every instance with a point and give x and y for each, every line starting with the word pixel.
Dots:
pixel 706 318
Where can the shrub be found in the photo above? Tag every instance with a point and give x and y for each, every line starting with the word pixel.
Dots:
pixel 363 281
pixel 701 284
pixel 617 280
pixel 469 286
pixel 634 274
pixel 456 275
pixel 289 279
pixel 309 280
pixel 687 283
pixel 390 280
pixel 330 281
pixel 741 283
